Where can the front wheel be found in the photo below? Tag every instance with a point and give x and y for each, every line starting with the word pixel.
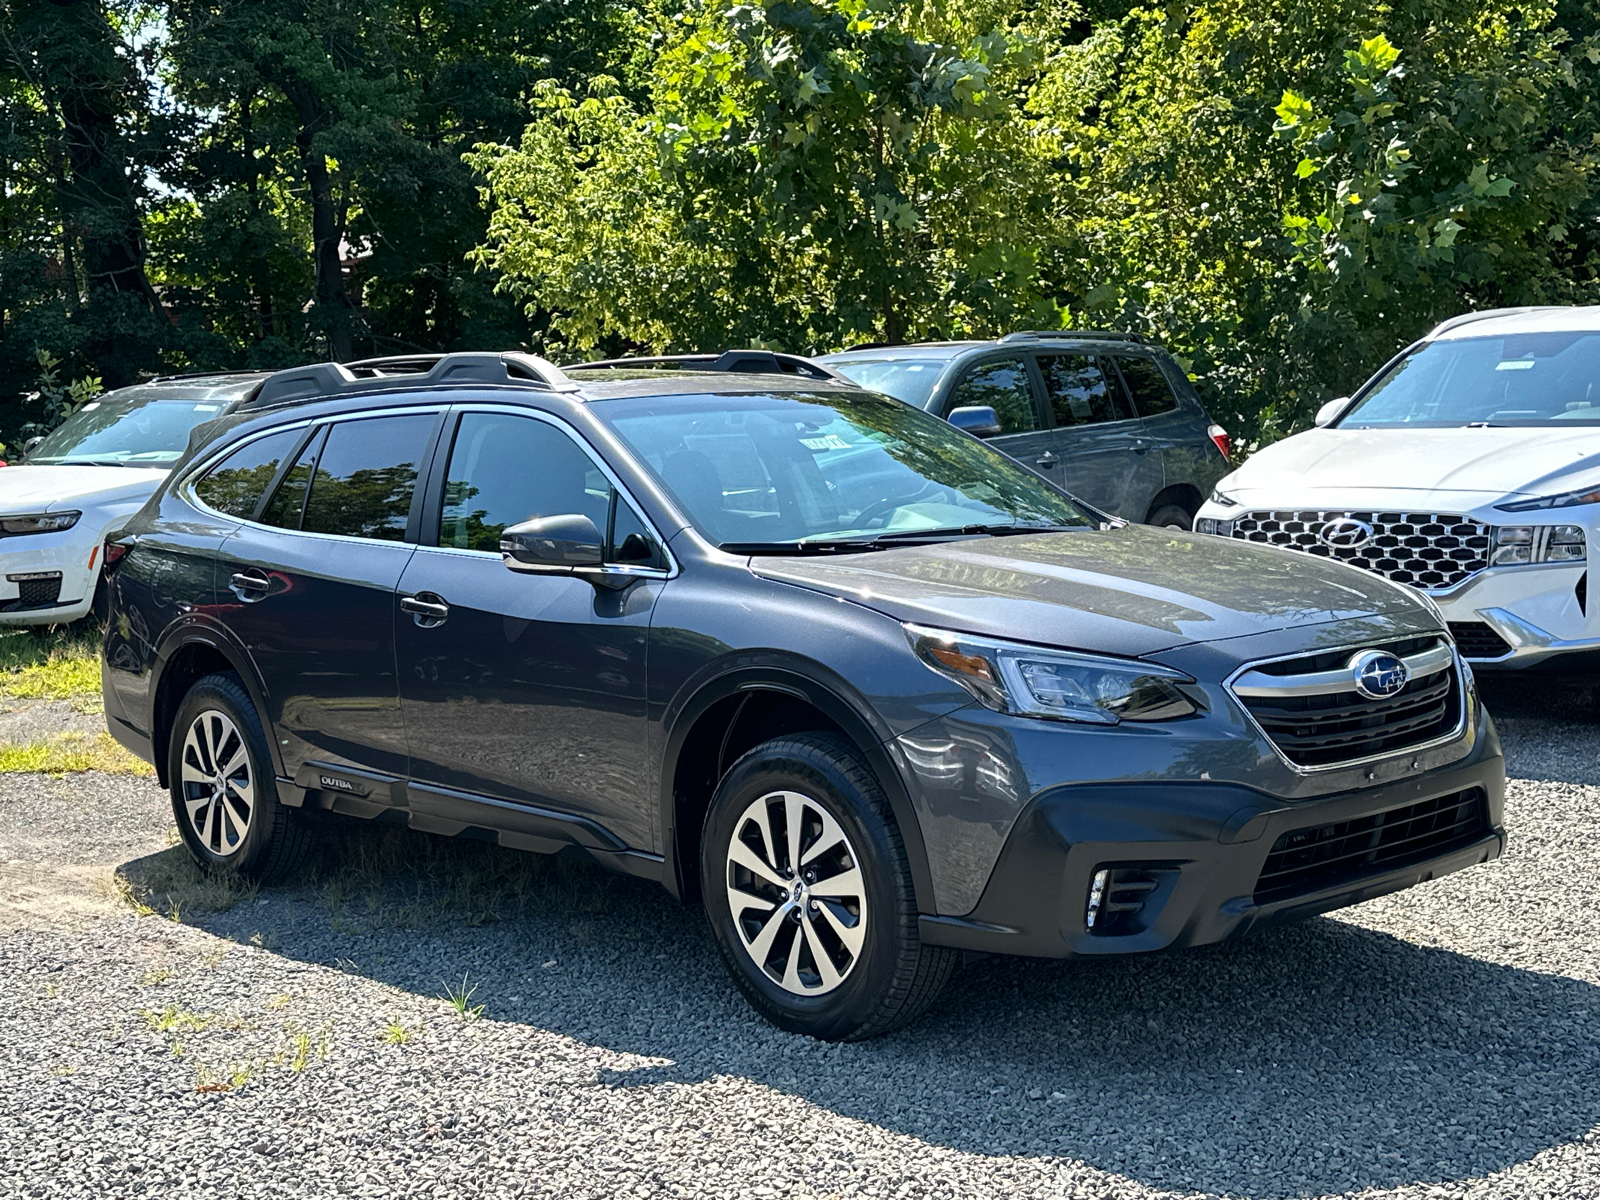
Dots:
pixel 224 791
pixel 1171 516
pixel 809 893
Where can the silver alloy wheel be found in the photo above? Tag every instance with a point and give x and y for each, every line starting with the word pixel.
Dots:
pixel 219 791
pixel 798 898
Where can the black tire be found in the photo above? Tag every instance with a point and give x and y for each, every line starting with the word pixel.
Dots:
pixel 894 977
pixel 1171 516
pixel 275 839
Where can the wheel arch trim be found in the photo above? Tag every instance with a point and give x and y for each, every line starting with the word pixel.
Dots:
pixel 200 632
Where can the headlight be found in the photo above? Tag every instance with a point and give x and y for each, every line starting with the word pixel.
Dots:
pixel 1520 545
pixel 1563 500
pixel 1028 681
pixel 40 522
pixel 1225 500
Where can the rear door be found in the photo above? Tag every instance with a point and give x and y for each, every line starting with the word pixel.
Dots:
pixel 1105 455
pixel 309 589
pixel 1176 429
pixel 1006 384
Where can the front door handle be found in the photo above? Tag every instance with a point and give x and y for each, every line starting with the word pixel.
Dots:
pixel 427 609
pixel 250 585
pixel 1046 460
pixel 1140 446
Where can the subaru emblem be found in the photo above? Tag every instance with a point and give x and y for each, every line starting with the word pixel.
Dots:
pixel 1347 533
pixel 1379 675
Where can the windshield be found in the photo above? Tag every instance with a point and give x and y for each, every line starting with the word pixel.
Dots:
pixel 910 380
pixel 1519 379
pixel 135 433
pixel 808 469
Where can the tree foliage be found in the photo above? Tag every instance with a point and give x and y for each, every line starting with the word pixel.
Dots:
pixel 1282 194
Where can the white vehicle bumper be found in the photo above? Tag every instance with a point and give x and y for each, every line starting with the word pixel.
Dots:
pixel 46 578
pixel 1503 618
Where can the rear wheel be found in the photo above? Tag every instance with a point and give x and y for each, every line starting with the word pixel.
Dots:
pixel 1171 516
pixel 809 893
pixel 224 792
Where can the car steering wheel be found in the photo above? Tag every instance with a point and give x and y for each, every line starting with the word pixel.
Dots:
pixel 882 508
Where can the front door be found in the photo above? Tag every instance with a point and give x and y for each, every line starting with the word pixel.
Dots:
pixel 1006 385
pixel 1104 452
pixel 526 688
pixel 309 588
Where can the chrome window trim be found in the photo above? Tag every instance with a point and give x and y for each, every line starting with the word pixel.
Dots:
pixel 1462 680
pixel 410 410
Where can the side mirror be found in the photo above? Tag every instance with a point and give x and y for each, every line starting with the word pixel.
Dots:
pixel 1331 409
pixel 552 545
pixel 977 419
pixel 27 446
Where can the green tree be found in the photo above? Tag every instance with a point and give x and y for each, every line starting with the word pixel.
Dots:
pixel 799 175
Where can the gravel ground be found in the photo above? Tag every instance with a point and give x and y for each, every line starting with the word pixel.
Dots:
pixel 1440 1042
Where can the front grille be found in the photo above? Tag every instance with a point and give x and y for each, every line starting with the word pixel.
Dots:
pixel 1476 640
pixel 38 593
pixel 1327 728
pixel 1310 860
pixel 1427 550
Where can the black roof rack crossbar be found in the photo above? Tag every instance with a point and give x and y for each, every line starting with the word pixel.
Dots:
pixel 749 362
pixel 1024 335
pixel 330 379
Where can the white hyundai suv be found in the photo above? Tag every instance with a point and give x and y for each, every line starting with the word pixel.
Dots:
pixel 85 478
pixel 1468 468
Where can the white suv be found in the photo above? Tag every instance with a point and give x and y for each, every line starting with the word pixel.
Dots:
pixel 1468 468
pixel 84 479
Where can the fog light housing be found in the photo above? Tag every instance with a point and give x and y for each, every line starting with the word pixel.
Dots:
pixel 1124 900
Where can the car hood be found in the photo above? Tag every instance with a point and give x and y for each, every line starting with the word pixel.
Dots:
pixel 29 489
pixel 1493 463
pixel 1131 590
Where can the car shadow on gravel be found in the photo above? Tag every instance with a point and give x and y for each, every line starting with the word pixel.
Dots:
pixel 1550 726
pixel 1307 1059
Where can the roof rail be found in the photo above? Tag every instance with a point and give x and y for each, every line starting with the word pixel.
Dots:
pixel 1023 335
pixel 750 362
pixel 1485 314
pixel 205 374
pixel 330 378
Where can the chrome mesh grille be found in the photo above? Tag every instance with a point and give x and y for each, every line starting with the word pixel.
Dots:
pixel 1427 550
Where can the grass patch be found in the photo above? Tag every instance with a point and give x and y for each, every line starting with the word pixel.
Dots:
pixel 172 885
pixel 71 752
pixel 60 665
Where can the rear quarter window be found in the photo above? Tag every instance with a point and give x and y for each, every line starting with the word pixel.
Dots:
pixel 1152 394
pixel 236 484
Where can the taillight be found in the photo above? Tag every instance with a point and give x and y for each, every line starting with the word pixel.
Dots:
pixel 115 553
pixel 1219 435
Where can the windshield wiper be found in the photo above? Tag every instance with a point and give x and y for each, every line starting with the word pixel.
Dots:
pixel 882 541
pixel 87 462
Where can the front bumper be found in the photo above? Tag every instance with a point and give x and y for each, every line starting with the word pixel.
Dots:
pixel 1205 846
pixel 46 578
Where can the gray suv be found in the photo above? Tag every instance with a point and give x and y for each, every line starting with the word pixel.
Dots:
pixel 856 681
pixel 1109 418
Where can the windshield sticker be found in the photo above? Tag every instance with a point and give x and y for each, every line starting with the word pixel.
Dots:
pixel 1516 364
pixel 830 441
pixel 90 407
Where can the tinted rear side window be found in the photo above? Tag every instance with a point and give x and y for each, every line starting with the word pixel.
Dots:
pixel 236 484
pixel 365 477
pixel 1151 393
pixel 1078 390
pixel 290 499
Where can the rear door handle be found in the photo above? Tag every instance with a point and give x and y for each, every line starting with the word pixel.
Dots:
pixel 1046 459
pixel 250 586
pixel 427 609
pixel 1140 446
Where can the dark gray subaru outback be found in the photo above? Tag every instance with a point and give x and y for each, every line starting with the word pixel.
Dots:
pixel 872 692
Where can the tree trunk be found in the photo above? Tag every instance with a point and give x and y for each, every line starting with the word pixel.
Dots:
pixel 337 310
